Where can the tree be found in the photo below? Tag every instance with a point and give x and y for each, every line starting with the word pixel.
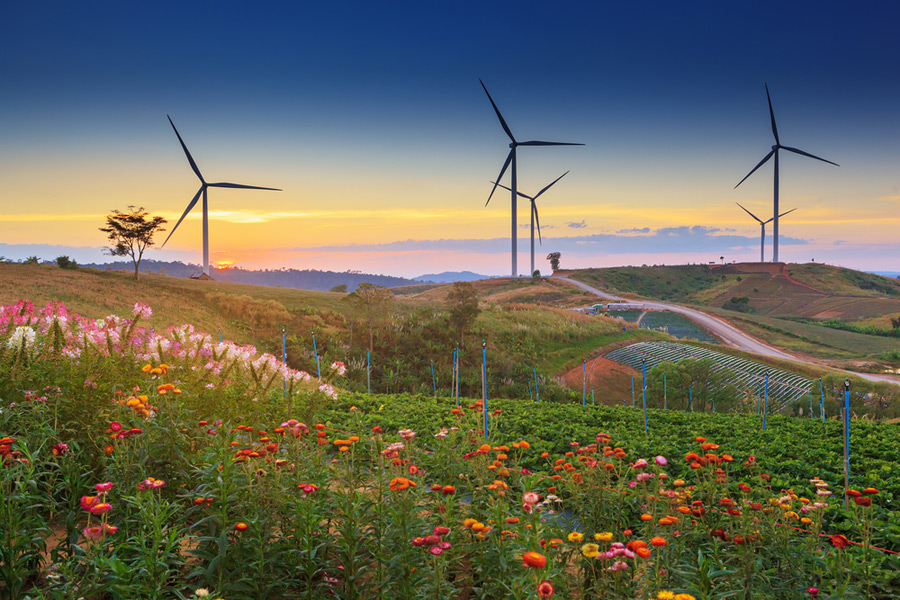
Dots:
pixel 131 233
pixel 64 262
pixel 553 257
pixel 371 300
pixel 463 303
pixel 340 288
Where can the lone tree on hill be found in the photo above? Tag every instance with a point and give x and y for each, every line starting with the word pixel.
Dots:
pixel 463 304
pixel 131 233
pixel 373 302
pixel 553 257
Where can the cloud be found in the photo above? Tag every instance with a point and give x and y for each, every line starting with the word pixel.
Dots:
pixel 580 225
pixel 663 241
pixel 634 230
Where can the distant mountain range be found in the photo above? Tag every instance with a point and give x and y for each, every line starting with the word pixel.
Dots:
pixel 887 273
pixel 307 279
pixel 450 277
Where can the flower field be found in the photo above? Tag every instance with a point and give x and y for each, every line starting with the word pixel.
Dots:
pixel 146 464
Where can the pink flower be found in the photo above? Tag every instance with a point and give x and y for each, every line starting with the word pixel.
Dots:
pixel 436 550
pixel 531 498
pixel 639 463
pixel 92 533
pixel 88 502
pixel 661 461
pixel 115 426
pixel 103 488
pixel 101 508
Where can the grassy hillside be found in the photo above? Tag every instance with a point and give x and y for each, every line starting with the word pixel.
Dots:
pixel 409 333
pixel 792 310
pixel 543 292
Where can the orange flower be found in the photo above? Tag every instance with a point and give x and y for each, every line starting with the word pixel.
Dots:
pixel 512 520
pixel 400 483
pixel 241 526
pixel 643 552
pixel 535 560
pixel 658 541
pixel 870 490
pixel 646 517
pixel 109 449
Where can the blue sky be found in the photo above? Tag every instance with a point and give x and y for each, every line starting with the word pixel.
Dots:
pixel 370 117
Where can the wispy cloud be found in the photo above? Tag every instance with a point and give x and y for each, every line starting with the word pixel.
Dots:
pixel 634 230
pixel 580 225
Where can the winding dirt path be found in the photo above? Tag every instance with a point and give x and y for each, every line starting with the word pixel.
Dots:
pixel 728 333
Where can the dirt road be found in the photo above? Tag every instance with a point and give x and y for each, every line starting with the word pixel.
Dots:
pixel 729 334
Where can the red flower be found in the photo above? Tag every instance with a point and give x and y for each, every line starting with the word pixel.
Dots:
pixel 439 530
pixel 863 501
pixel 241 526
pixel 870 490
pixel 534 560
pixel 839 541
pixel 448 490
pixel 545 589
pixel 853 493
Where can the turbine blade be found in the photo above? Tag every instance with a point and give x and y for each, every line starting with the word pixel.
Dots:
pixel 798 151
pixel 748 212
pixel 772 116
pixel 761 163
pixel 186 153
pixel 241 186
pixel 509 190
pixel 785 213
pixel 540 143
pixel 500 176
pixel 186 211
pixel 536 196
pixel 537 220
pixel 499 116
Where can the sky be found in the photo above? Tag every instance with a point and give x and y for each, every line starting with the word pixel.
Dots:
pixel 371 119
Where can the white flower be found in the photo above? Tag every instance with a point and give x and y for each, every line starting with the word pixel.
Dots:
pixel 20 335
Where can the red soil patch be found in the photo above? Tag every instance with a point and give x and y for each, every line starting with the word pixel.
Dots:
pixel 610 380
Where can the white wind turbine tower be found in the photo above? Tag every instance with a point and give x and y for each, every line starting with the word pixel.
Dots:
pixel 202 190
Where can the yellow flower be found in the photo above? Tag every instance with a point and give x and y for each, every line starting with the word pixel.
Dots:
pixel 575 537
pixel 665 595
pixel 603 537
pixel 146 368
pixel 791 515
pixel 590 550
pixel 684 597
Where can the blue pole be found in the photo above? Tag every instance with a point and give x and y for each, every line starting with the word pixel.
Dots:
pixel 822 405
pixel 766 405
pixel 537 390
pixel 433 381
pixel 530 395
pixel 691 392
pixel 846 438
pixel 316 352
pixel 644 382
pixel 484 386
pixel 632 391
pixel 665 392
pixel 457 376
pixel 283 358
pixel 368 372
pixel 220 335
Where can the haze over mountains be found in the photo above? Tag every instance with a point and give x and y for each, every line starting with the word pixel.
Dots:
pixel 306 279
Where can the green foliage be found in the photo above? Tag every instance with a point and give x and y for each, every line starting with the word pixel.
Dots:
pixel 32 260
pixel 64 262
pixel 131 233
pixel 462 304
pixel 341 288
pixel 738 304
pixel 663 282
pixel 553 257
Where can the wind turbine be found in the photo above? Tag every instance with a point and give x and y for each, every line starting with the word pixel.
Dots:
pixel 774 152
pixel 534 211
pixel 762 230
pixel 511 159
pixel 202 190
